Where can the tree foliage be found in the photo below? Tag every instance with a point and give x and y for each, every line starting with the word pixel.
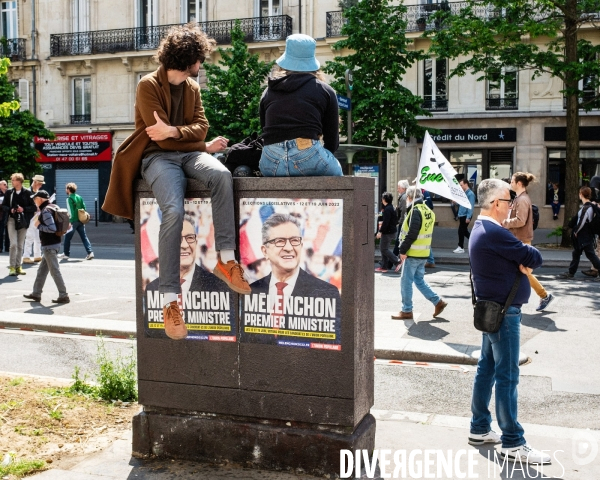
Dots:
pixel 234 89
pixel 6 106
pixel 540 37
pixel 17 130
pixel 379 55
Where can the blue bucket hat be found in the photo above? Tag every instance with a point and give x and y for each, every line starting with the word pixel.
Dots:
pixel 299 55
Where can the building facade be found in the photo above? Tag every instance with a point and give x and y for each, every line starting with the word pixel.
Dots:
pixel 76 64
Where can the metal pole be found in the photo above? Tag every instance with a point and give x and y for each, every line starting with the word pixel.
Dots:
pixel 96 210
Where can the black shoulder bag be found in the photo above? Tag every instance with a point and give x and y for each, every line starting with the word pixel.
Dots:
pixel 488 315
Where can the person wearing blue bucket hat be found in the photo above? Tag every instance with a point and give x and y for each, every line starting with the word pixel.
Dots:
pixel 299 116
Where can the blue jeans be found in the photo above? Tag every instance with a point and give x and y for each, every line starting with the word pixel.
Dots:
pixel 285 160
pixel 431 259
pixel 413 271
pixel 167 174
pixel 499 364
pixel 80 229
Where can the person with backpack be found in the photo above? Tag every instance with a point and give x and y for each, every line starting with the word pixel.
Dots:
pixel 74 204
pixel 521 224
pixel 50 238
pixel 19 208
pixel 583 235
pixel 386 233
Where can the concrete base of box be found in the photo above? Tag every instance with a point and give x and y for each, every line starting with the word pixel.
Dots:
pixel 313 449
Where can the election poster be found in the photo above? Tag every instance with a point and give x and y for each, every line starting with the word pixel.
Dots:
pixel 291 250
pixel 206 302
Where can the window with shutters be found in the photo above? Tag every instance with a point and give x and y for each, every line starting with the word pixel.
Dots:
pixel 81 100
pixel 8 19
pixel 435 84
pixel 503 90
pixel 147 13
pixel 23 92
pixel 193 11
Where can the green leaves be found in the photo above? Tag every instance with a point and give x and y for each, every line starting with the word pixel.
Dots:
pixel 380 54
pixel 234 89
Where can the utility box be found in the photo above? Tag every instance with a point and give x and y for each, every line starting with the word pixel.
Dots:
pixel 279 379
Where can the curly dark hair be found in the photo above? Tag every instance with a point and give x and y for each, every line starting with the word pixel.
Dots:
pixel 183 46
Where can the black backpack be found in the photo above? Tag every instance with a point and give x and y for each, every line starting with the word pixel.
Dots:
pixel 535 212
pixel 595 223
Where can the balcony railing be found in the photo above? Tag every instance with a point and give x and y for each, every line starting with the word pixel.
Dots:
pixel 419 17
pixel 585 99
pixel 81 119
pixel 13 48
pixel 496 103
pixel 259 29
pixel 437 105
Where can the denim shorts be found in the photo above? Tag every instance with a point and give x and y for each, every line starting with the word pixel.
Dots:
pixel 285 160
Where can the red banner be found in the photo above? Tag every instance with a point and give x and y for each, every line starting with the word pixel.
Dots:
pixel 75 147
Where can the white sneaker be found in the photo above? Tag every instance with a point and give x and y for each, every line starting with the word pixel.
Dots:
pixel 459 250
pixel 90 256
pixel 525 454
pixel 481 438
pixel 62 256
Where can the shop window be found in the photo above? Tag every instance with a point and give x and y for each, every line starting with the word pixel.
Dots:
pixel 503 90
pixel 478 165
pixel 435 84
pixel 8 23
pixel 81 100
pixel 589 166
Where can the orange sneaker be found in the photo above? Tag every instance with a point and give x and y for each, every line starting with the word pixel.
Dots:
pixel 232 274
pixel 174 325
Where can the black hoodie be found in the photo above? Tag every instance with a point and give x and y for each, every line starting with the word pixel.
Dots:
pixel 299 106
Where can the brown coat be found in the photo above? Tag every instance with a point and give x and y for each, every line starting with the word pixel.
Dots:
pixel 153 95
pixel 520 222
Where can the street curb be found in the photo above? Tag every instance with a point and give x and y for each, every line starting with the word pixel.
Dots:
pixel 460 260
pixel 30 322
pixel 413 351
pixel 423 356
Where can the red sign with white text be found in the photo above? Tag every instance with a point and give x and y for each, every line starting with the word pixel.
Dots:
pixel 75 147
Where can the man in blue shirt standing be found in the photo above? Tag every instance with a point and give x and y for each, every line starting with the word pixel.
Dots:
pixel 464 216
pixel 497 257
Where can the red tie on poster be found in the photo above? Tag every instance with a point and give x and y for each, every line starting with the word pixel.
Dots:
pixel 278 307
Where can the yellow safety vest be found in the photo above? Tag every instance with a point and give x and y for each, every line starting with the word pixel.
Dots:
pixel 421 247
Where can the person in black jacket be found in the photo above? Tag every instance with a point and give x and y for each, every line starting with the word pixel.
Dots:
pixel 386 234
pixel 297 110
pixel 584 240
pixel 19 208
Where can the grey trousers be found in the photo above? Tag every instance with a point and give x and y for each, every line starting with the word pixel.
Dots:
pixel 17 241
pixel 167 173
pixel 49 263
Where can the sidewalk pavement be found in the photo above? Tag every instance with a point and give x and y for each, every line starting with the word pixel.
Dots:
pixel 572 452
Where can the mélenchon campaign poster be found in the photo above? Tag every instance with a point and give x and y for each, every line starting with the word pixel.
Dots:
pixel 291 251
pixel 207 304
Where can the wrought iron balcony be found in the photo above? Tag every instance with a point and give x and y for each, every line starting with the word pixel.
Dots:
pixel 418 17
pixel 13 48
pixel 497 103
pixel 437 105
pixel 81 119
pixel 259 29
pixel 587 98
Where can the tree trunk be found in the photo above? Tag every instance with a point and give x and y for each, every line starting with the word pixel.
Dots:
pixel 572 140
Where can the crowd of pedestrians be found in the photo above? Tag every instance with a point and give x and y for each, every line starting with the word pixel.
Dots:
pixel 29 233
